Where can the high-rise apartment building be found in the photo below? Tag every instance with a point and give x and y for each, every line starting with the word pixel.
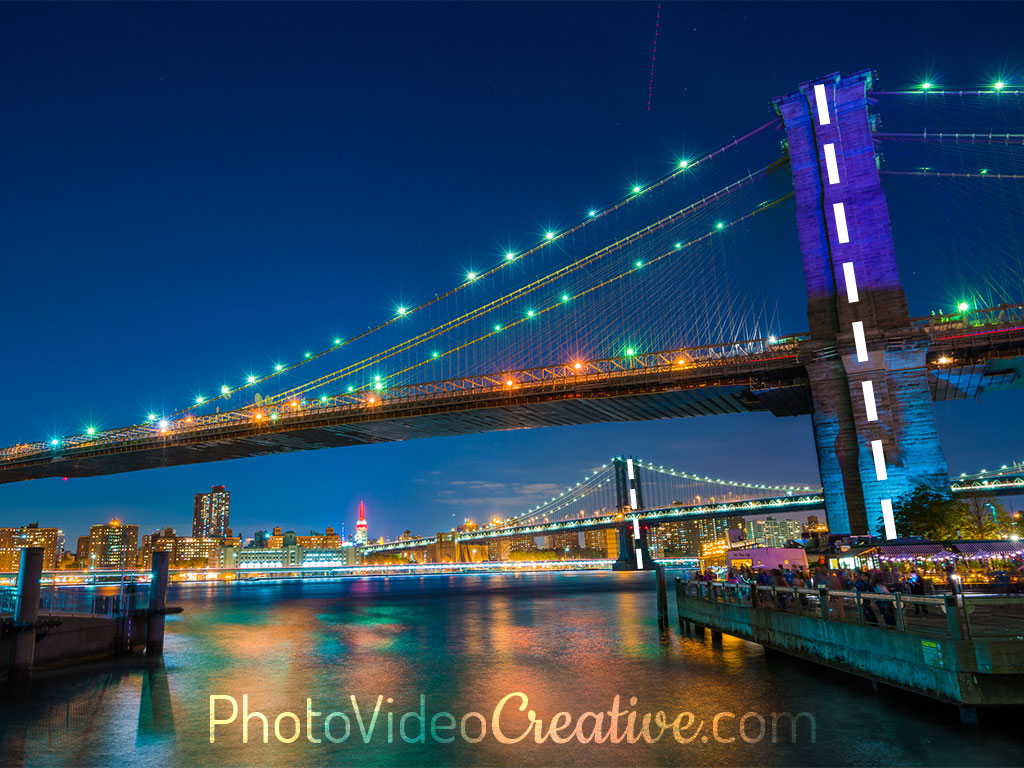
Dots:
pixel 773 533
pixel 13 540
pixel 210 513
pixel 688 538
pixel 567 540
pixel 604 541
pixel 113 545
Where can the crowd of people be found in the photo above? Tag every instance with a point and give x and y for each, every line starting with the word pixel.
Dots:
pixel 885 580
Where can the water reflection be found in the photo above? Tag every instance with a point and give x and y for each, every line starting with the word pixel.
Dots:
pixel 568 642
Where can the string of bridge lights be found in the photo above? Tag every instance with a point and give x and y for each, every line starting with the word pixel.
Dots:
pixel 683 165
pixel 629 351
pixel 543 509
pixel 163 424
pixel 563 299
pixel 999 86
pixel 719 481
pixel 587 486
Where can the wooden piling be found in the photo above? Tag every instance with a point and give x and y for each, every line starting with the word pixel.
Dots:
pixel 30 571
pixel 157 604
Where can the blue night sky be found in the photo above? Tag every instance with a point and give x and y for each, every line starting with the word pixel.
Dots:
pixel 190 191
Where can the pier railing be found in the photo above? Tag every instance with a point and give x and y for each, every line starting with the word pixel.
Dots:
pixel 72 601
pixel 959 617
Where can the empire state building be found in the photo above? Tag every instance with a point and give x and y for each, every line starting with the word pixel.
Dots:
pixel 361 536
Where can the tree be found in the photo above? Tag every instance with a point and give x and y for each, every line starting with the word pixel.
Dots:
pixel 928 513
pixel 986 518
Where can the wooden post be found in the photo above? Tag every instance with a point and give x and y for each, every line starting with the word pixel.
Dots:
pixel 900 620
pixel 30 571
pixel 956 631
pixel 157 604
pixel 659 575
pixel 823 601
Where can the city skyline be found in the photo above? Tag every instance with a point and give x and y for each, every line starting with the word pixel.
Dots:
pixel 551 177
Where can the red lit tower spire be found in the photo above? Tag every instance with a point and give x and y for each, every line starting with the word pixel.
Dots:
pixel 361 528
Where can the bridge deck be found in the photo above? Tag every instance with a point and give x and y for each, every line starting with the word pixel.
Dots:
pixel 964 359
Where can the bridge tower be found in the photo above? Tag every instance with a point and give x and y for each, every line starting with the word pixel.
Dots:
pixel 874 427
pixel 629 497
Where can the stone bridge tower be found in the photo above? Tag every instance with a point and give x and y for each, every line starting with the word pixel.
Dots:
pixel 874 427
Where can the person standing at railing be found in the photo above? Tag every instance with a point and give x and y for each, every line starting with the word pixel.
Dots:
pixel 778 580
pixel 953 581
pixel 800 582
pixel 885 607
pixel 915 582
pixel 862 584
pixel 836 607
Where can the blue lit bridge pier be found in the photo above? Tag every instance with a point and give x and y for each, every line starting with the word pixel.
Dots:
pixel 874 427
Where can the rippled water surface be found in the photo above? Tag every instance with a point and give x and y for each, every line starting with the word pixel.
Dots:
pixel 567 642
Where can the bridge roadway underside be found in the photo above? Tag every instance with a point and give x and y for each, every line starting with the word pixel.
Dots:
pixel 780 388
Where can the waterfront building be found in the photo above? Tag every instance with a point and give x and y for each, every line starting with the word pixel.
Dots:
pixel 604 541
pixel 327 540
pixel 291 556
pixel 192 551
pixel 113 545
pixel 13 540
pixel 330 557
pixel 278 539
pixel 158 541
pixel 563 542
pixel 502 549
pixel 210 514
pixel 688 538
pixel 773 533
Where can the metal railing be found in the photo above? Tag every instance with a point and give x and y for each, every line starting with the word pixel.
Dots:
pixel 960 617
pixel 73 601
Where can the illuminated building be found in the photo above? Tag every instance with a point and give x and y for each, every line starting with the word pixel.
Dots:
pixel 773 533
pixel 328 540
pixel 687 538
pixel 502 549
pixel 158 541
pixel 192 551
pixel 290 556
pixel 13 540
pixel 277 540
pixel 604 541
pixel 210 512
pixel 113 545
pixel 362 529
pixel 330 557
pixel 282 557
pixel 564 541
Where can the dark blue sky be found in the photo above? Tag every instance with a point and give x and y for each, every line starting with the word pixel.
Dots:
pixel 193 190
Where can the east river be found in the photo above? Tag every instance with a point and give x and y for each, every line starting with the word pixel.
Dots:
pixel 487 665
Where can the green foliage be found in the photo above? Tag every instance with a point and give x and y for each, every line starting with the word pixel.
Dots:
pixel 939 517
pixel 928 513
